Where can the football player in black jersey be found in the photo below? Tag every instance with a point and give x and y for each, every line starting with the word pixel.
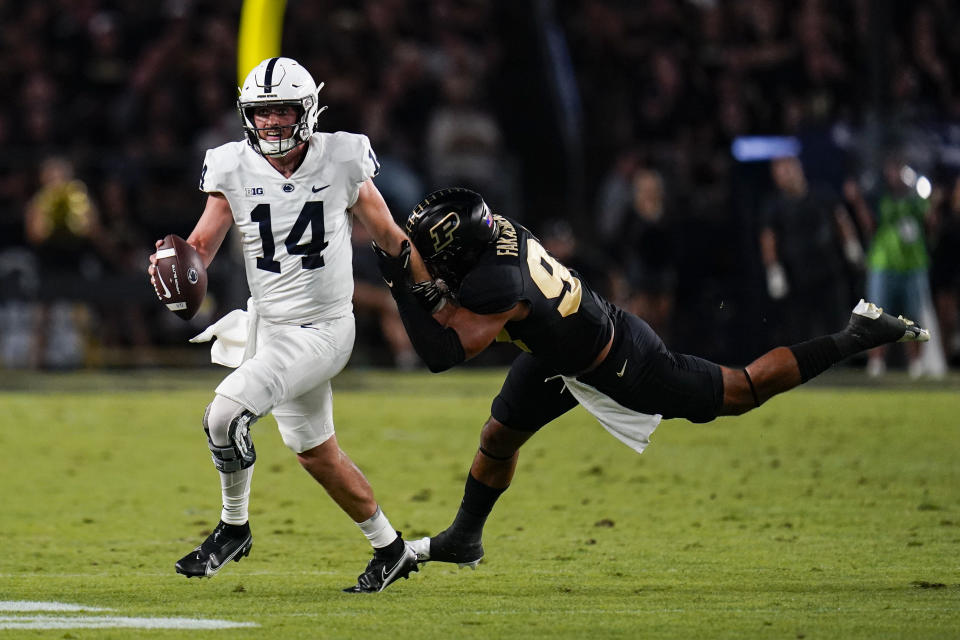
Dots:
pixel 493 280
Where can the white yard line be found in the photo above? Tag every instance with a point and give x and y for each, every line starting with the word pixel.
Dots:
pixel 95 622
pixel 28 605
pixel 114 622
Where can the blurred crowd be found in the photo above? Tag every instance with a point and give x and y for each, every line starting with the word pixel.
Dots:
pixel 614 129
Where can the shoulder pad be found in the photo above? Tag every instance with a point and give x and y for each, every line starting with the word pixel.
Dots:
pixel 491 288
pixel 226 157
pixel 354 153
pixel 219 164
pixel 346 147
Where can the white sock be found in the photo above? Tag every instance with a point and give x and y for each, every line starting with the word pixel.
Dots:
pixel 235 487
pixel 378 530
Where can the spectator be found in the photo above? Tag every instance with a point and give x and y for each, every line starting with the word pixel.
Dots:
pixel 464 141
pixel 945 271
pixel 647 249
pixel 63 228
pixel 805 234
pixel 897 260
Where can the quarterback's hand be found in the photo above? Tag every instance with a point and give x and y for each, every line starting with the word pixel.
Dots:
pixel 394 269
pixel 152 267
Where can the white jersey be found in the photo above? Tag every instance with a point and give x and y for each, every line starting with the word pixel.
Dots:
pixel 295 231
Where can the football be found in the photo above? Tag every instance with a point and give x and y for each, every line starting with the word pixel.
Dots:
pixel 180 279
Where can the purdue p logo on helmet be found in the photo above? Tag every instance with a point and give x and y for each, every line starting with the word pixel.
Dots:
pixel 450 229
pixel 442 232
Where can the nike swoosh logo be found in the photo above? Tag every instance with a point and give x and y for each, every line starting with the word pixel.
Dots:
pixel 166 292
pixel 315 190
pixel 623 369
pixel 389 283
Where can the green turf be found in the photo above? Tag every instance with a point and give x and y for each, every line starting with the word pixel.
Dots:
pixel 828 513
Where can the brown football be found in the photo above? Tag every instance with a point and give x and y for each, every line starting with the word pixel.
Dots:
pixel 181 279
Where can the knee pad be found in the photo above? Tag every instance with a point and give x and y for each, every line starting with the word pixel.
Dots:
pixel 228 422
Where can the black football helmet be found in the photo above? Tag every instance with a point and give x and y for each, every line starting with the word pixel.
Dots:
pixel 451 228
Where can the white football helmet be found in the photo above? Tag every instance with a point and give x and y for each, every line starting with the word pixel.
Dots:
pixel 279 81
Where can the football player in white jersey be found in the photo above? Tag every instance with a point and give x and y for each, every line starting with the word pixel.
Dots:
pixel 293 193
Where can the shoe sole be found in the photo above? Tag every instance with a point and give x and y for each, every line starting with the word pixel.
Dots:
pixel 242 552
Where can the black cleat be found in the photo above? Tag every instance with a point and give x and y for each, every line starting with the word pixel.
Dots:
pixel 387 566
pixel 446 547
pixel 872 327
pixel 227 542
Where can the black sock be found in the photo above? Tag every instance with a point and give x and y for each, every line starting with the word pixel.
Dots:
pixel 394 548
pixel 478 501
pixel 850 344
pixel 817 355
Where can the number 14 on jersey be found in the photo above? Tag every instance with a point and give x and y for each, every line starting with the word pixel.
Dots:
pixel 312 215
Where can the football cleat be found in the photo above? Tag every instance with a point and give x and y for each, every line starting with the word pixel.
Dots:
pixel 444 547
pixel 386 567
pixel 872 327
pixel 227 542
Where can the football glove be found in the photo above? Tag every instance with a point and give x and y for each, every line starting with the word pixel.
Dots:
pixel 429 295
pixel 393 268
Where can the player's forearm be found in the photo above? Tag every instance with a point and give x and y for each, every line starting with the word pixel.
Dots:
pixel 206 245
pixel 211 228
pixel 438 346
pixel 418 270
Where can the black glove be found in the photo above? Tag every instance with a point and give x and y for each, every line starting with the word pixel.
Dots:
pixel 429 295
pixel 393 268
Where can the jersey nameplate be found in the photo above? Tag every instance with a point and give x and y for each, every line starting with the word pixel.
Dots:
pixel 507 241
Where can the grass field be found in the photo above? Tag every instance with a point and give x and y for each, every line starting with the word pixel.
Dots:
pixel 832 512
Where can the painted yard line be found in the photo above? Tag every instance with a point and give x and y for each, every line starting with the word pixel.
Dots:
pixel 29 605
pixel 651 611
pixel 162 574
pixel 115 622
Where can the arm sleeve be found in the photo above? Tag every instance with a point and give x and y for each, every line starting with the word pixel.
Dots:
pixel 439 346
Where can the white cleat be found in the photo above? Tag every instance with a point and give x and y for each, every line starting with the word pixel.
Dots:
pixel 422 548
pixel 453 555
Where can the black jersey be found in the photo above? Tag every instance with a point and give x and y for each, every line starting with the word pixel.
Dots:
pixel 568 324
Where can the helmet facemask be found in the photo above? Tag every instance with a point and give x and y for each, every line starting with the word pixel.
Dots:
pixel 291 135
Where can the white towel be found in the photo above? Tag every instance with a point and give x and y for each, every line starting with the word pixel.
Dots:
pixel 233 333
pixel 626 425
